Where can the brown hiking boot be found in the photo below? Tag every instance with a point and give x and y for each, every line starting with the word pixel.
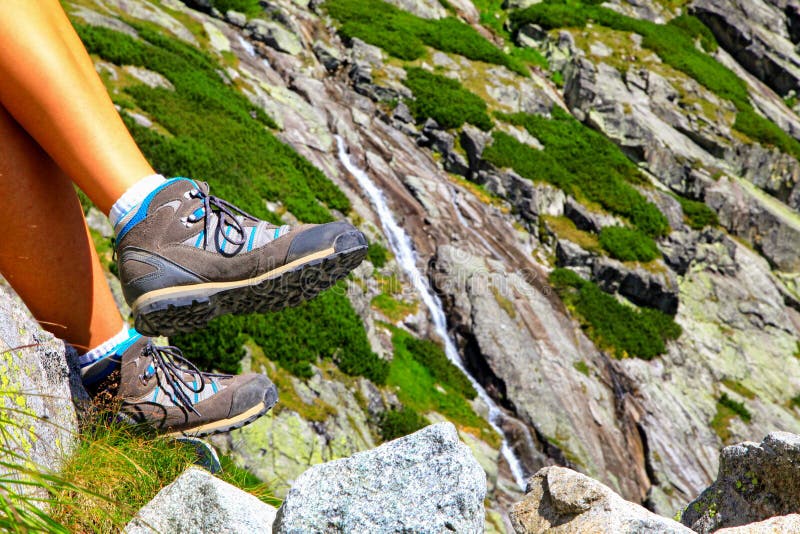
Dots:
pixel 159 388
pixel 185 257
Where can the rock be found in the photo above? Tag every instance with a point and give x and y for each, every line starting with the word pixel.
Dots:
pixel 530 35
pixel 584 218
pixel 275 36
pixel 236 18
pixel 425 482
pixel 150 78
pixel 562 501
pixel 756 34
pixel 403 114
pixel 40 422
pixel 782 524
pixel 754 482
pixel 473 140
pixel 199 502
pixel 330 57
pixel 427 9
pixel 652 288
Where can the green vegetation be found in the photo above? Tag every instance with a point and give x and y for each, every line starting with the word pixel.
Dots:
pixel 444 100
pixel 623 330
pixel 794 402
pixel 251 8
pixel 286 338
pixel 738 387
pixel 564 228
pixel 625 244
pixel 581 367
pixel 121 469
pixel 398 423
pixel 427 382
pixel 405 36
pixel 674 44
pixel 727 409
pixel 695 29
pixel 582 162
pixel 217 135
pixel 696 214
pixel 377 255
pixel 394 309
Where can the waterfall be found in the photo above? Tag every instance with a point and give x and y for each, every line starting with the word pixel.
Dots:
pixel 403 250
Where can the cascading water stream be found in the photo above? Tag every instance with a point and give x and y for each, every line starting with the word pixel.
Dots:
pixel 403 250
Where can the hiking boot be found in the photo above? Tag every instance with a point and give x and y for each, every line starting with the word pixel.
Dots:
pixel 157 387
pixel 185 257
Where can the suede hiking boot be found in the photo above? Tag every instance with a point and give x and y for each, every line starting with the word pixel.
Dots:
pixel 185 257
pixel 157 387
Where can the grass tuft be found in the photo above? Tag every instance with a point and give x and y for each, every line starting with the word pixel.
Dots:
pixel 445 100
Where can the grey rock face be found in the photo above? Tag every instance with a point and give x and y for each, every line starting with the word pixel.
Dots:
pixel 657 290
pixel 274 35
pixel 199 502
pixel 757 34
pixel 561 501
pixel 754 482
pixel 40 422
pixel 425 482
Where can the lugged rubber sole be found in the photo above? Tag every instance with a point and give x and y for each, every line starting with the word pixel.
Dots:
pixel 184 309
pixel 226 425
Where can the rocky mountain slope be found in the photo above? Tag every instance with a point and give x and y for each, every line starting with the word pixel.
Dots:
pixel 649 147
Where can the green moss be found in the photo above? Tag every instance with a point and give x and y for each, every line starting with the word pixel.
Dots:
pixel 696 214
pixel 623 330
pixel 248 7
pixel 738 387
pixel 674 44
pixel 405 36
pixel 377 255
pixel 444 100
pixel 394 309
pixel 427 382
pixel 504 303
pixel 727 409
pixel 580 161
pixel 564 228
pixel 626 244
pixel 581 367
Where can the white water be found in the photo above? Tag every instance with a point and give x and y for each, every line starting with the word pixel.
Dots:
pixel 406 258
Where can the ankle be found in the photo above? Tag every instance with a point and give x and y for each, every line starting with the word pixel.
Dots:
pixel 98 363
pixel 133 197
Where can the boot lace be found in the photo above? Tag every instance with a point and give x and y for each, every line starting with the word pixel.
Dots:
pixel 225 213
pixel 174 369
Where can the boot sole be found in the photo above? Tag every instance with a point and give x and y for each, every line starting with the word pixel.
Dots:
pixel 238 421
pixel 184 309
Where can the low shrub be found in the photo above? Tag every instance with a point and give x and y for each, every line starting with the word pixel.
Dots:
pixel 377 255
pixel 625 244
pixel 582 162
pixel 444 100
pixel 395 424
pixel 295 338
pixel 696 214
pixel 623 330
pixel 695 29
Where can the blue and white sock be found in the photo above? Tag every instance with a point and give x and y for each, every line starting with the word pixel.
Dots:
pixel 133 197
pixel 100 362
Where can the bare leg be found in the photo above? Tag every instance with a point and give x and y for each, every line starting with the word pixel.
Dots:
pixel 46 252
pixel 51 88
